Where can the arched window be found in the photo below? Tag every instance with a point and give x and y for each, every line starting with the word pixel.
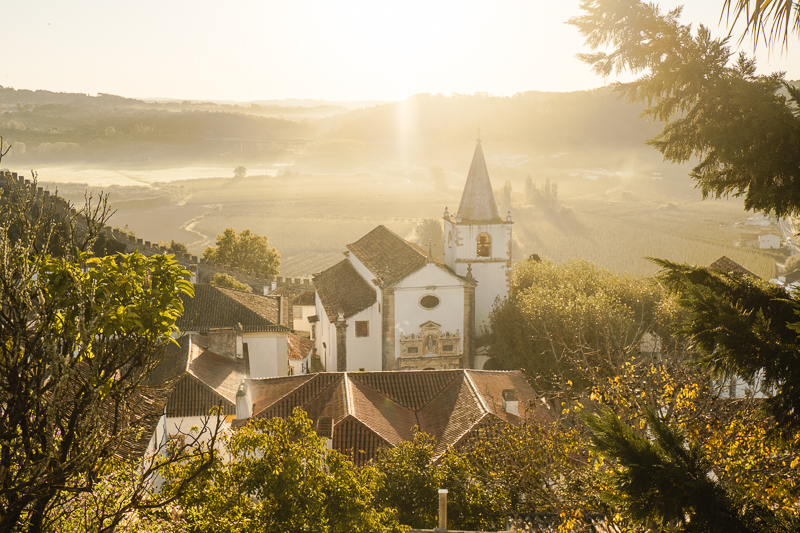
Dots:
pixel 449 239
pixel 484 245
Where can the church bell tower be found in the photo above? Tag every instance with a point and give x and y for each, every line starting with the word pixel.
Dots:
pixel 477 241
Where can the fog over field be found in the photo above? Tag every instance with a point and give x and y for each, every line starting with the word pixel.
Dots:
pixel 320 177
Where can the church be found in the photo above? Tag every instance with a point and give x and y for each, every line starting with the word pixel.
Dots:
pixel 390 305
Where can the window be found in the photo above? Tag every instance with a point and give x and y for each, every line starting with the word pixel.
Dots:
pixel 449 239
pixel 362 328
pixel 429 301
pixel 484 245
pixel 297 311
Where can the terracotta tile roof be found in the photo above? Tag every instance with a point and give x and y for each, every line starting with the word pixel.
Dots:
pixel 412 389
pixel 218 307
pixel 341 288
pixel 477 201
pixel 198 379
pixel 304 298
pixel 381 414
pixel 452 414
pixel 726 264
pixel 129 421
pixel 389 257
pixel 296 296
pixel 299 347
pixel 370 409
pixel 278 396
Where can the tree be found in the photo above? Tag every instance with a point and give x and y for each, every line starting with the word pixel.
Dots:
pixel 505 197
pixel 239 172
pixel 783 16
pixel 743 327
pixel 429 235
pixel 78 336
pixel 436 173
pixel 744 131
pixel 792 264
pixel 225 280
pixel 530 190
pixel 247 251
pixel 278 476
pixel 573 322
pixel 664 481
pixel 742 127
pixel 178 247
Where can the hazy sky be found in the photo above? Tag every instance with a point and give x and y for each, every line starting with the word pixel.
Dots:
pixel 335 50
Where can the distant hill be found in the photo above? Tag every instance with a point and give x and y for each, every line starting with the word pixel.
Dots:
pixel 433 128
pixel 54 128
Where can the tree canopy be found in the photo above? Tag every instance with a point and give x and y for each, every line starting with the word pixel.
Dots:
pixel 248 251
pixel 225 280
pixel 744 128
pixel 278 476
pixel 79 335
pixel 771 20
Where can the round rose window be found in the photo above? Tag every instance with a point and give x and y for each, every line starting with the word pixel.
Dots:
pixel 429 301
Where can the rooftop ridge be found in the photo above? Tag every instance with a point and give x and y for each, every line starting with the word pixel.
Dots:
pixel 475 391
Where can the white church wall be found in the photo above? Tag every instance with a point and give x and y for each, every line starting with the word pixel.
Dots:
pixel 410 314
pixel 492 283
pixel 363 352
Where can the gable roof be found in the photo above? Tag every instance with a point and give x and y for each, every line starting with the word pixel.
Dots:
pixel 198 379
pixel 218 307
pixel 299 347
pixel 373 409
pixel 341 288
pixel 295 296
pixel 477 201
pixel 391 258
pixel 726 264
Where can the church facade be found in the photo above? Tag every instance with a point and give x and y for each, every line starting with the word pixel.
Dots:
pixel 390 305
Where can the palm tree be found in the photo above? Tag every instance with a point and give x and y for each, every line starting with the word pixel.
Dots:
pixel 773 20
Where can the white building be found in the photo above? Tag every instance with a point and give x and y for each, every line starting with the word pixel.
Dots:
pixel 389 305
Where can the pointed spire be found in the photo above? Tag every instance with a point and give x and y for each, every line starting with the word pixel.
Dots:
pixel 477 201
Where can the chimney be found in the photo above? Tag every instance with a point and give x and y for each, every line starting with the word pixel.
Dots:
pixel 341 344
pixel 239 330
pixel 244 401
pixel 224 341
pixel 511 401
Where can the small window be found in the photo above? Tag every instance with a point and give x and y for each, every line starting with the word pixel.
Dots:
pixel 362 328
pixel 447 348
pixel 297 311
pixel 412 349
pixel 361 369
pixel 484 245
pixel 449 239
pixel 429 301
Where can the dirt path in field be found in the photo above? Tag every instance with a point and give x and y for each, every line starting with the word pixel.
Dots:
pixel 189 225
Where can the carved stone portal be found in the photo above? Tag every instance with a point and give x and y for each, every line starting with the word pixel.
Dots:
pixel 430 349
